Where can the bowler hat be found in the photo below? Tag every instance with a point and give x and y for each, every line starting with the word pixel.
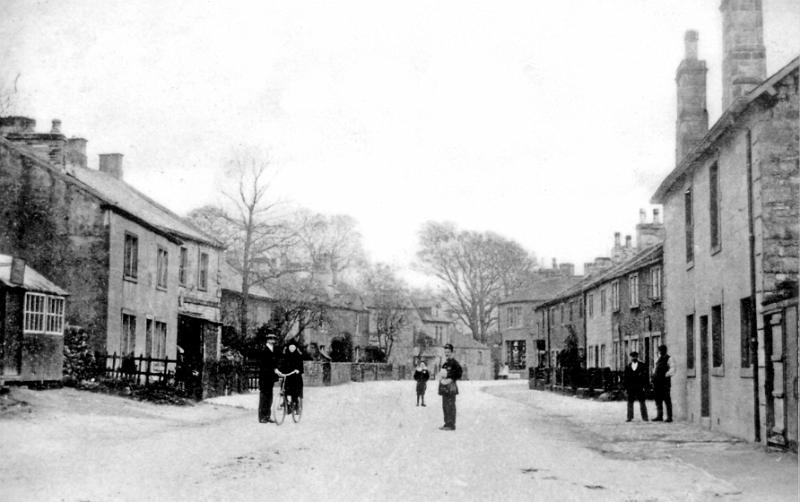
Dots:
pixel 634 354
pixel 272 336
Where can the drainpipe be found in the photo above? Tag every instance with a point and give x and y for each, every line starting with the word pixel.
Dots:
pixel 753 322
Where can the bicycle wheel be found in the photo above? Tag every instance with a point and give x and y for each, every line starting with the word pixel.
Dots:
pixel 297 410
pixel 279 411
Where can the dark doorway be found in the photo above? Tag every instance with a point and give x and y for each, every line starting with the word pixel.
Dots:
pixel 705 391
pixel 189 372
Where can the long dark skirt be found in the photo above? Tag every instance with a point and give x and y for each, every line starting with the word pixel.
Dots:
pixel 294 386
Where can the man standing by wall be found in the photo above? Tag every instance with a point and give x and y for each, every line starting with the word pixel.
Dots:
pixel 661 384
pixel 267 375
pixel 635 378
pixel 448 388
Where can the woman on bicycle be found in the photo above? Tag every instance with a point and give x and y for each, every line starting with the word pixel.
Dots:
pixel 292 369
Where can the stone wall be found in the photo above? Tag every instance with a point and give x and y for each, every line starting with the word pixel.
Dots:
pixel 59 228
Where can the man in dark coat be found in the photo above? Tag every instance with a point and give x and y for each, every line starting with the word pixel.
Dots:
pixel 635 379
pixel 267 376
pixel 662 376
pixel 449 389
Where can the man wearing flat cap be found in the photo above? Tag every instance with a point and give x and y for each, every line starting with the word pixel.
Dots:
pixel 267 376
pixel 636 381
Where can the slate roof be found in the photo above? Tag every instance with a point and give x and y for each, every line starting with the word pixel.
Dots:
pixel 542 290
pixel 646 256
pixel 725 122
pixel 123 196
pixel 33 281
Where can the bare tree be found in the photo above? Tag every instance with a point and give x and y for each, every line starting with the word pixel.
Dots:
pixel 387 297
pixel 329 243
pixel 476 270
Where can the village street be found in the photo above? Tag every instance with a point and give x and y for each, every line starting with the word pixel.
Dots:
pixel 367 441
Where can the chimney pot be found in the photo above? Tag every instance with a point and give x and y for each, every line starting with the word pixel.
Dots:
pixel 555 264
pixel 642 216
pixel 56 129
pixel 616 239
pixel 690 44
pixel 628 241
pixel 656 217
pixel 111 164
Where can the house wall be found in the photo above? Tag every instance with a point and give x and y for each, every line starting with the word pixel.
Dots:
pixel 41 355
pixel 61 231
pixel 140 297
pixel 598 325
pixel 720 277
pixel 524 330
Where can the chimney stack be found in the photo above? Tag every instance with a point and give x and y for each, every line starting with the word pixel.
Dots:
pixel 692 119
pixel 555 264
pixel 567 269
pixel 642 216
pixel 17 273
pixel 744 57
pixel 627 242
pixel 617 239
pixel 111 164
pixel 656 217
pixel 56 129
pixel 76 152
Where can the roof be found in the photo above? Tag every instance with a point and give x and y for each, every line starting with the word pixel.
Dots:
pixel 542 290
pixel 231 279
pixel 645 257
pixel 725 123
pixel 33 281
pixel 123 196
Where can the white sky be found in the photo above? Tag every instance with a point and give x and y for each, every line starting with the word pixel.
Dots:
pixel 550 122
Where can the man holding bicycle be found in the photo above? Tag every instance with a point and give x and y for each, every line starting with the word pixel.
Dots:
pixel 267 376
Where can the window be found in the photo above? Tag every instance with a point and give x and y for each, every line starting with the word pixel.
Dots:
pixel 615 296
pixel 602 355
pixel 689 225
pixel 159 348
pixel 43 314
pixel 633 290
pixel 602 301
pixel 590 305
pixel 690 342
pixel 128 339
pixel 514 317
pixel 571 307
pixel 717 349
pixel 655 282
pixel 713 206
pixel 615 354
pixel 162 266
pixel 562 313
pixel 130 264
pixel 182 266
pixel 202 272
pixel 747 316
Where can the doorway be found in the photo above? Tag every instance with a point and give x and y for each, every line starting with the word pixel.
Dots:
pixel 705 391
pixel 780 382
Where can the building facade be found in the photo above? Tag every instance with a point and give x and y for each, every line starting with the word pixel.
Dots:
pixel 731 253
pixel 143 281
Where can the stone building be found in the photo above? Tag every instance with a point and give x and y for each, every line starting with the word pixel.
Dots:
pixel 614 309
pixel 31 324
pixel 731 253
pixel 142 280
pixel 517 321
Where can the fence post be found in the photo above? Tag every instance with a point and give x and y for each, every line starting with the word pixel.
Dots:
pixel 147 371
pixel 113 364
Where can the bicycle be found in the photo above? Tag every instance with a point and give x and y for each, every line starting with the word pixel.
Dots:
pixel 285 407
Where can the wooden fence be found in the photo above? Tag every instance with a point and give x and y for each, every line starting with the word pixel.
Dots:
pixel 140 370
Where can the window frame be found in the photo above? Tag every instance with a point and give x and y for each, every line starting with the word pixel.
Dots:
pixel 714 227
pixel 688 215
pixel 633 290
pixel 656 280
pixel 717 339
pixel 130 257
pixel 42 314
pixel 615 295
pixel 127 339
pixel 747 319
pixel 691 354
pixel 183 262
pixel 202 270
pixel 162 268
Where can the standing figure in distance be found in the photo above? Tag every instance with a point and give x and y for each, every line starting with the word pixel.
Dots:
pixel 662 376
pixel 292 370
pixel 635 378
pixel 448 388
pixel 421 375
pixel 267 376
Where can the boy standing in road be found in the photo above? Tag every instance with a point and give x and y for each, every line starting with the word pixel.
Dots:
pixel 636 380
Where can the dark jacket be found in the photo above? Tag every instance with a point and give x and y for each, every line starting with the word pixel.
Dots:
pixel 636 381
pixel 294 383
pixel 453 371
pixel 422 376
pixel 266 370
pixel 660 377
